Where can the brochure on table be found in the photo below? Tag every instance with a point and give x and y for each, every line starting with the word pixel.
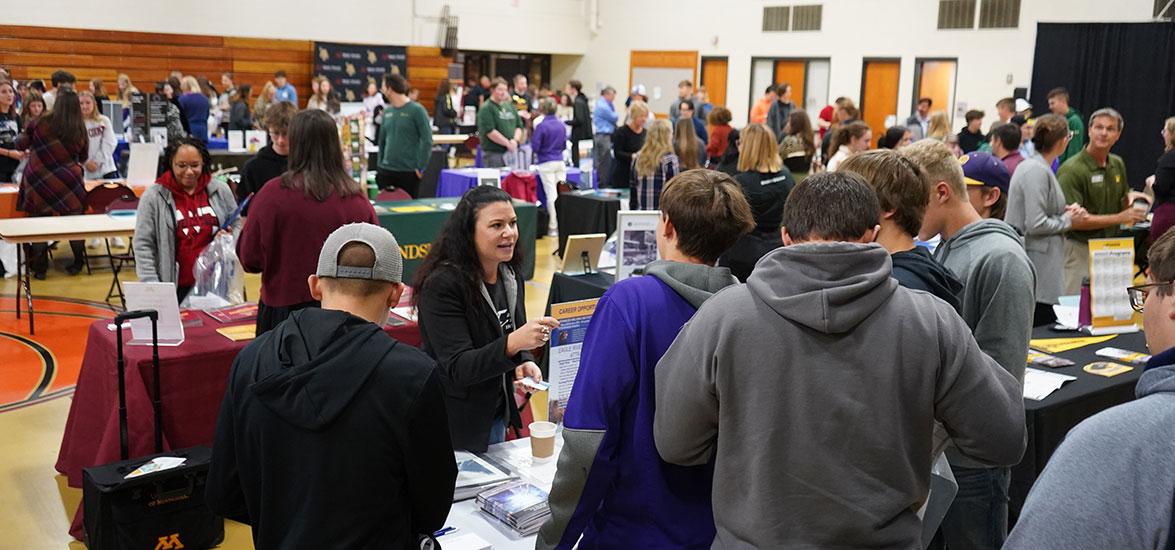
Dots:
pixel 161 298
pixel 636 243
pixel 566 345
pixel 1111 271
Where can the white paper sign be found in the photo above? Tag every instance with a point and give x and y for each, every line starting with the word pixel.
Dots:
pixel 236 140
pixel 159 297
pixel 143 164
pixel 1039 384
pixel 636 243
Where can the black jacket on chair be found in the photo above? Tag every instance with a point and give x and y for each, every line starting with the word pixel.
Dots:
pixel 461 331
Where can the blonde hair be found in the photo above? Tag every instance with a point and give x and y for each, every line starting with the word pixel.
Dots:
pixel 686 145
pixel 657 143
pixel 123 95
pixel 1170 127
pixel 757 151
pixel 95 114
pixel 939 126
pixel 940 164
pixel 190 84
pixel 637 110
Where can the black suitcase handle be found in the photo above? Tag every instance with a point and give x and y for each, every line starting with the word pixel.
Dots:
pixel 123 445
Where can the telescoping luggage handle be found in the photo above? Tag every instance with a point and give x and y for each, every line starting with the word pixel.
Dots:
pixel 123 446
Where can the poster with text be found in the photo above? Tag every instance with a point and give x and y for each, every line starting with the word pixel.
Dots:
pixel 566 345
pixel 636 243
pixel 351 66
pixel 1111 271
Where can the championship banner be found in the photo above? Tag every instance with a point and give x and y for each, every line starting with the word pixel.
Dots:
pixel 351 66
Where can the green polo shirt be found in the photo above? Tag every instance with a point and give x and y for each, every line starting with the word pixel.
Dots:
pixel 1100 189
pixel 1077 126
pixel 405 138
pixel 502 117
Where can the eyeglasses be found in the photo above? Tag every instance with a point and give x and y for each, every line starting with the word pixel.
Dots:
pixel 179 166
pixel 1139 293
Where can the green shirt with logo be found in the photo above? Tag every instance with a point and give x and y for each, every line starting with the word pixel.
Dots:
pixel 502 117
pixel 1101 190
pixel 405 138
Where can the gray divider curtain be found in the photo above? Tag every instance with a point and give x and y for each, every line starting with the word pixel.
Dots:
pixel 1127 66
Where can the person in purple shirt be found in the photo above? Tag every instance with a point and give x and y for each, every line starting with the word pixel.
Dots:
pixel 611 486
pixel 1005 145
pixel 548 142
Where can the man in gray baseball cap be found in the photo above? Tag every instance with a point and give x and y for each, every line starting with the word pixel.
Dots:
pixel 327 402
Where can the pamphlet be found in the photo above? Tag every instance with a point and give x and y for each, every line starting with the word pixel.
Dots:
pixel 1132 357
pixel 234 314
pixel 1061 345
pixel 475 474
pixel 157 464
pixel 1106 368
pixel 566 346
pixel 1045 360
pixel 519 504
pixel 1039 384
pixel 237 333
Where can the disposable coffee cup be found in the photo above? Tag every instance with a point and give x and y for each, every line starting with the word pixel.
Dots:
pixel 542 440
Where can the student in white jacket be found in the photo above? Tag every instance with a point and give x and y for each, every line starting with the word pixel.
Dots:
pixel 100 162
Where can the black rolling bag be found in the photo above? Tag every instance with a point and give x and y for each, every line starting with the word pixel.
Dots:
pixel 159 510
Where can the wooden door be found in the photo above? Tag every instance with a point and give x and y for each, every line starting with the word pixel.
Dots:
pixel 879 94
pixel 936 80
pixel 714 79
pixel 792 72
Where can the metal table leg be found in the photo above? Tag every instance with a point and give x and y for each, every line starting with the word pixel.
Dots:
pixel 24 276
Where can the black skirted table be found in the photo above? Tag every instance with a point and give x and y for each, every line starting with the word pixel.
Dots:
pixel 583 213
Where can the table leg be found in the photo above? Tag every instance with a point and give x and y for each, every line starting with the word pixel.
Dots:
pixel 28 294
pixel 19 275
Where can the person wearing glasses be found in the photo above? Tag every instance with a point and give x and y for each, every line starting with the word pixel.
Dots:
pixel 1109 483
pixel 179 217
pixel 1096 179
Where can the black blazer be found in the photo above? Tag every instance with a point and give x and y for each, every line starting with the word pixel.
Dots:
pixel 462 333
pixel 581 119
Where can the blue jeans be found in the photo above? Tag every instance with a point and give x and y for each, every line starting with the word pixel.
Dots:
pixel 978 518
pixel 498 431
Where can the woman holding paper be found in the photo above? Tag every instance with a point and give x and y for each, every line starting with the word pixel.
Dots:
pixel 179 217
pixel 471 301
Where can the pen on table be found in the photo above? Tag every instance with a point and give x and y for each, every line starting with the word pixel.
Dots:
pixel 444 531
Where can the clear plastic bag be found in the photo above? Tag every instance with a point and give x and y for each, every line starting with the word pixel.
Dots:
pixel 220 279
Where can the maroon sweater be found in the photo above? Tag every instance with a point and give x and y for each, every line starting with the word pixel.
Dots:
pixel 284 233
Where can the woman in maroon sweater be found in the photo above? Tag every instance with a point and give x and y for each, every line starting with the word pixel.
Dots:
pixel 292 215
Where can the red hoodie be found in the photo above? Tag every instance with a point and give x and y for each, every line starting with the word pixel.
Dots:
pixel 195 224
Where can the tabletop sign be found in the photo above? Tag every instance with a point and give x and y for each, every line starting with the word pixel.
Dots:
pixel 161 298
pixel 566 346
pixel 1111 271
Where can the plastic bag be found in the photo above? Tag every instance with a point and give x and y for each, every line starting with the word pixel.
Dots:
pixel 220 279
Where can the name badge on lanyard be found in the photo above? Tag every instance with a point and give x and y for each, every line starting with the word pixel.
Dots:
pixel 1098 178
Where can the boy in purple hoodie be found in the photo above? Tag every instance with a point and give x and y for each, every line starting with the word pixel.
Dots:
pixel 548 142
pixel 611 486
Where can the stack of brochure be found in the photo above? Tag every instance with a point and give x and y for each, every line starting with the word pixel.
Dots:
pixel 518 504
pixel 476 474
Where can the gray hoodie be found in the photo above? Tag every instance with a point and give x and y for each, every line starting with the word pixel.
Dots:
pixel 998 296
pixel 1109 485
pixel 815 389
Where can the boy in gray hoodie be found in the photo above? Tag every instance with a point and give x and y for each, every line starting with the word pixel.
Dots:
pixel 815 387
pixel 998 303
pixel 1109 484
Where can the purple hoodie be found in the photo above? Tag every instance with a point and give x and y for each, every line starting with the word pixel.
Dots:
pixel 549 139
pixel 612 486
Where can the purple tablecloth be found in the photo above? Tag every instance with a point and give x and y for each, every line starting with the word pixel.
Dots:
pixel 454 183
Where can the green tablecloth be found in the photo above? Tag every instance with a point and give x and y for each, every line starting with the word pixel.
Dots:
pixel 416 223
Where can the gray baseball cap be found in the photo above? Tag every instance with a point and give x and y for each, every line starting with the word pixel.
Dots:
pixel 389 264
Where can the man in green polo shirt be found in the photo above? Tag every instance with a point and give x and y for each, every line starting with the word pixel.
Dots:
pixel 498 125
pixel 1096 179
pixel 1059 105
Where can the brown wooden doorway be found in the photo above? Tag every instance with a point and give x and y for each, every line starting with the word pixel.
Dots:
pixel 935 79
pixel 795 73
pixel 879 93
pixel 714 70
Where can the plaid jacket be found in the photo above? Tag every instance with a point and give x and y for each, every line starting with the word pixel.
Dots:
pixel 53 182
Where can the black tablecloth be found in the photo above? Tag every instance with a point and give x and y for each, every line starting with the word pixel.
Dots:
pixel 582 214
pixel 1050 419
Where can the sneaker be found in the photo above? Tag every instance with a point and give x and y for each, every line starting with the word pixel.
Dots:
pixel 39 275
pixel 553 232
pixel 74 269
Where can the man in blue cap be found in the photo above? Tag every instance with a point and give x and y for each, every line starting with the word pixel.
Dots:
pixel 987 184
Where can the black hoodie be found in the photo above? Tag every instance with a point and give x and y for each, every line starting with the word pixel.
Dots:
pixel 263 167
pixel 917 270
pixel 332 435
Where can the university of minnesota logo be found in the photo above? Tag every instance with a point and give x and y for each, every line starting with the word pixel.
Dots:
pixel 169 542
pixel 371 58
pixel 323 54
pixel 395 69
pixel 350 69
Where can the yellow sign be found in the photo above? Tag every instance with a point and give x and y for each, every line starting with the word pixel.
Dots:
pixel 412 209
pixel 169 542
pixel 415 251
pixel 1058 345
pixel 1111 271
pixel 239 332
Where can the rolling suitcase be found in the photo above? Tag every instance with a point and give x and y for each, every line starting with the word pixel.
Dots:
pixel 160 510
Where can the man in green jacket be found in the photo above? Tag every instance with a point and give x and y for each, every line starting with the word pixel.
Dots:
pixel 1059 105
pixel 1096 179
pixel 405 139
pixel 498 125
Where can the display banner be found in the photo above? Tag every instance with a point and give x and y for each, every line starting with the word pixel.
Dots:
pixel 351 66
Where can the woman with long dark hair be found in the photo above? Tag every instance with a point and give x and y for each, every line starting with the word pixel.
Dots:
pixel 239 117
pixel 10 127
pixel 53 182
pixel 444 112
pixel 178 217
pixel 798 146
pixel 292 215
pixel 471 301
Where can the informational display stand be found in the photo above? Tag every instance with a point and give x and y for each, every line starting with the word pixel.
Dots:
pixel 1111 271
pixel 582 253
pixel 636 243
pixel 566 346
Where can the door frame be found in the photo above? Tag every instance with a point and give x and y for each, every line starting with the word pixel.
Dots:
pixel 702 70
pixel 773 59
pixel 917 84
pixel 865 63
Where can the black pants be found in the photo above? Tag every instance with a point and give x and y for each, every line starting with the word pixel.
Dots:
pixel 37 255
pixel 182 292
pixel 1043 315
pixel 408 181
pixel 269 316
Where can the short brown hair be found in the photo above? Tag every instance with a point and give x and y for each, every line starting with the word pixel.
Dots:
pixel 902 186
pixel 1161 256
pixel 720 115
pixel 1048 131
pixel 1059 92
pixel 939 163
pixel 973 114
pixel 685 83
pixel 1108 112
pixel 833 206
pixel 1007 103
pixel 396 83
pixel 356 254
pixel 709 212
pixel 499 81
pixel 279 115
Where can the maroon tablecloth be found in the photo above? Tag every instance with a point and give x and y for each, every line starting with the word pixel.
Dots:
pixel 192 383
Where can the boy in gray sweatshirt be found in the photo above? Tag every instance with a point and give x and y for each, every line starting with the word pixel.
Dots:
pixel 815 387
pixel 998 303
